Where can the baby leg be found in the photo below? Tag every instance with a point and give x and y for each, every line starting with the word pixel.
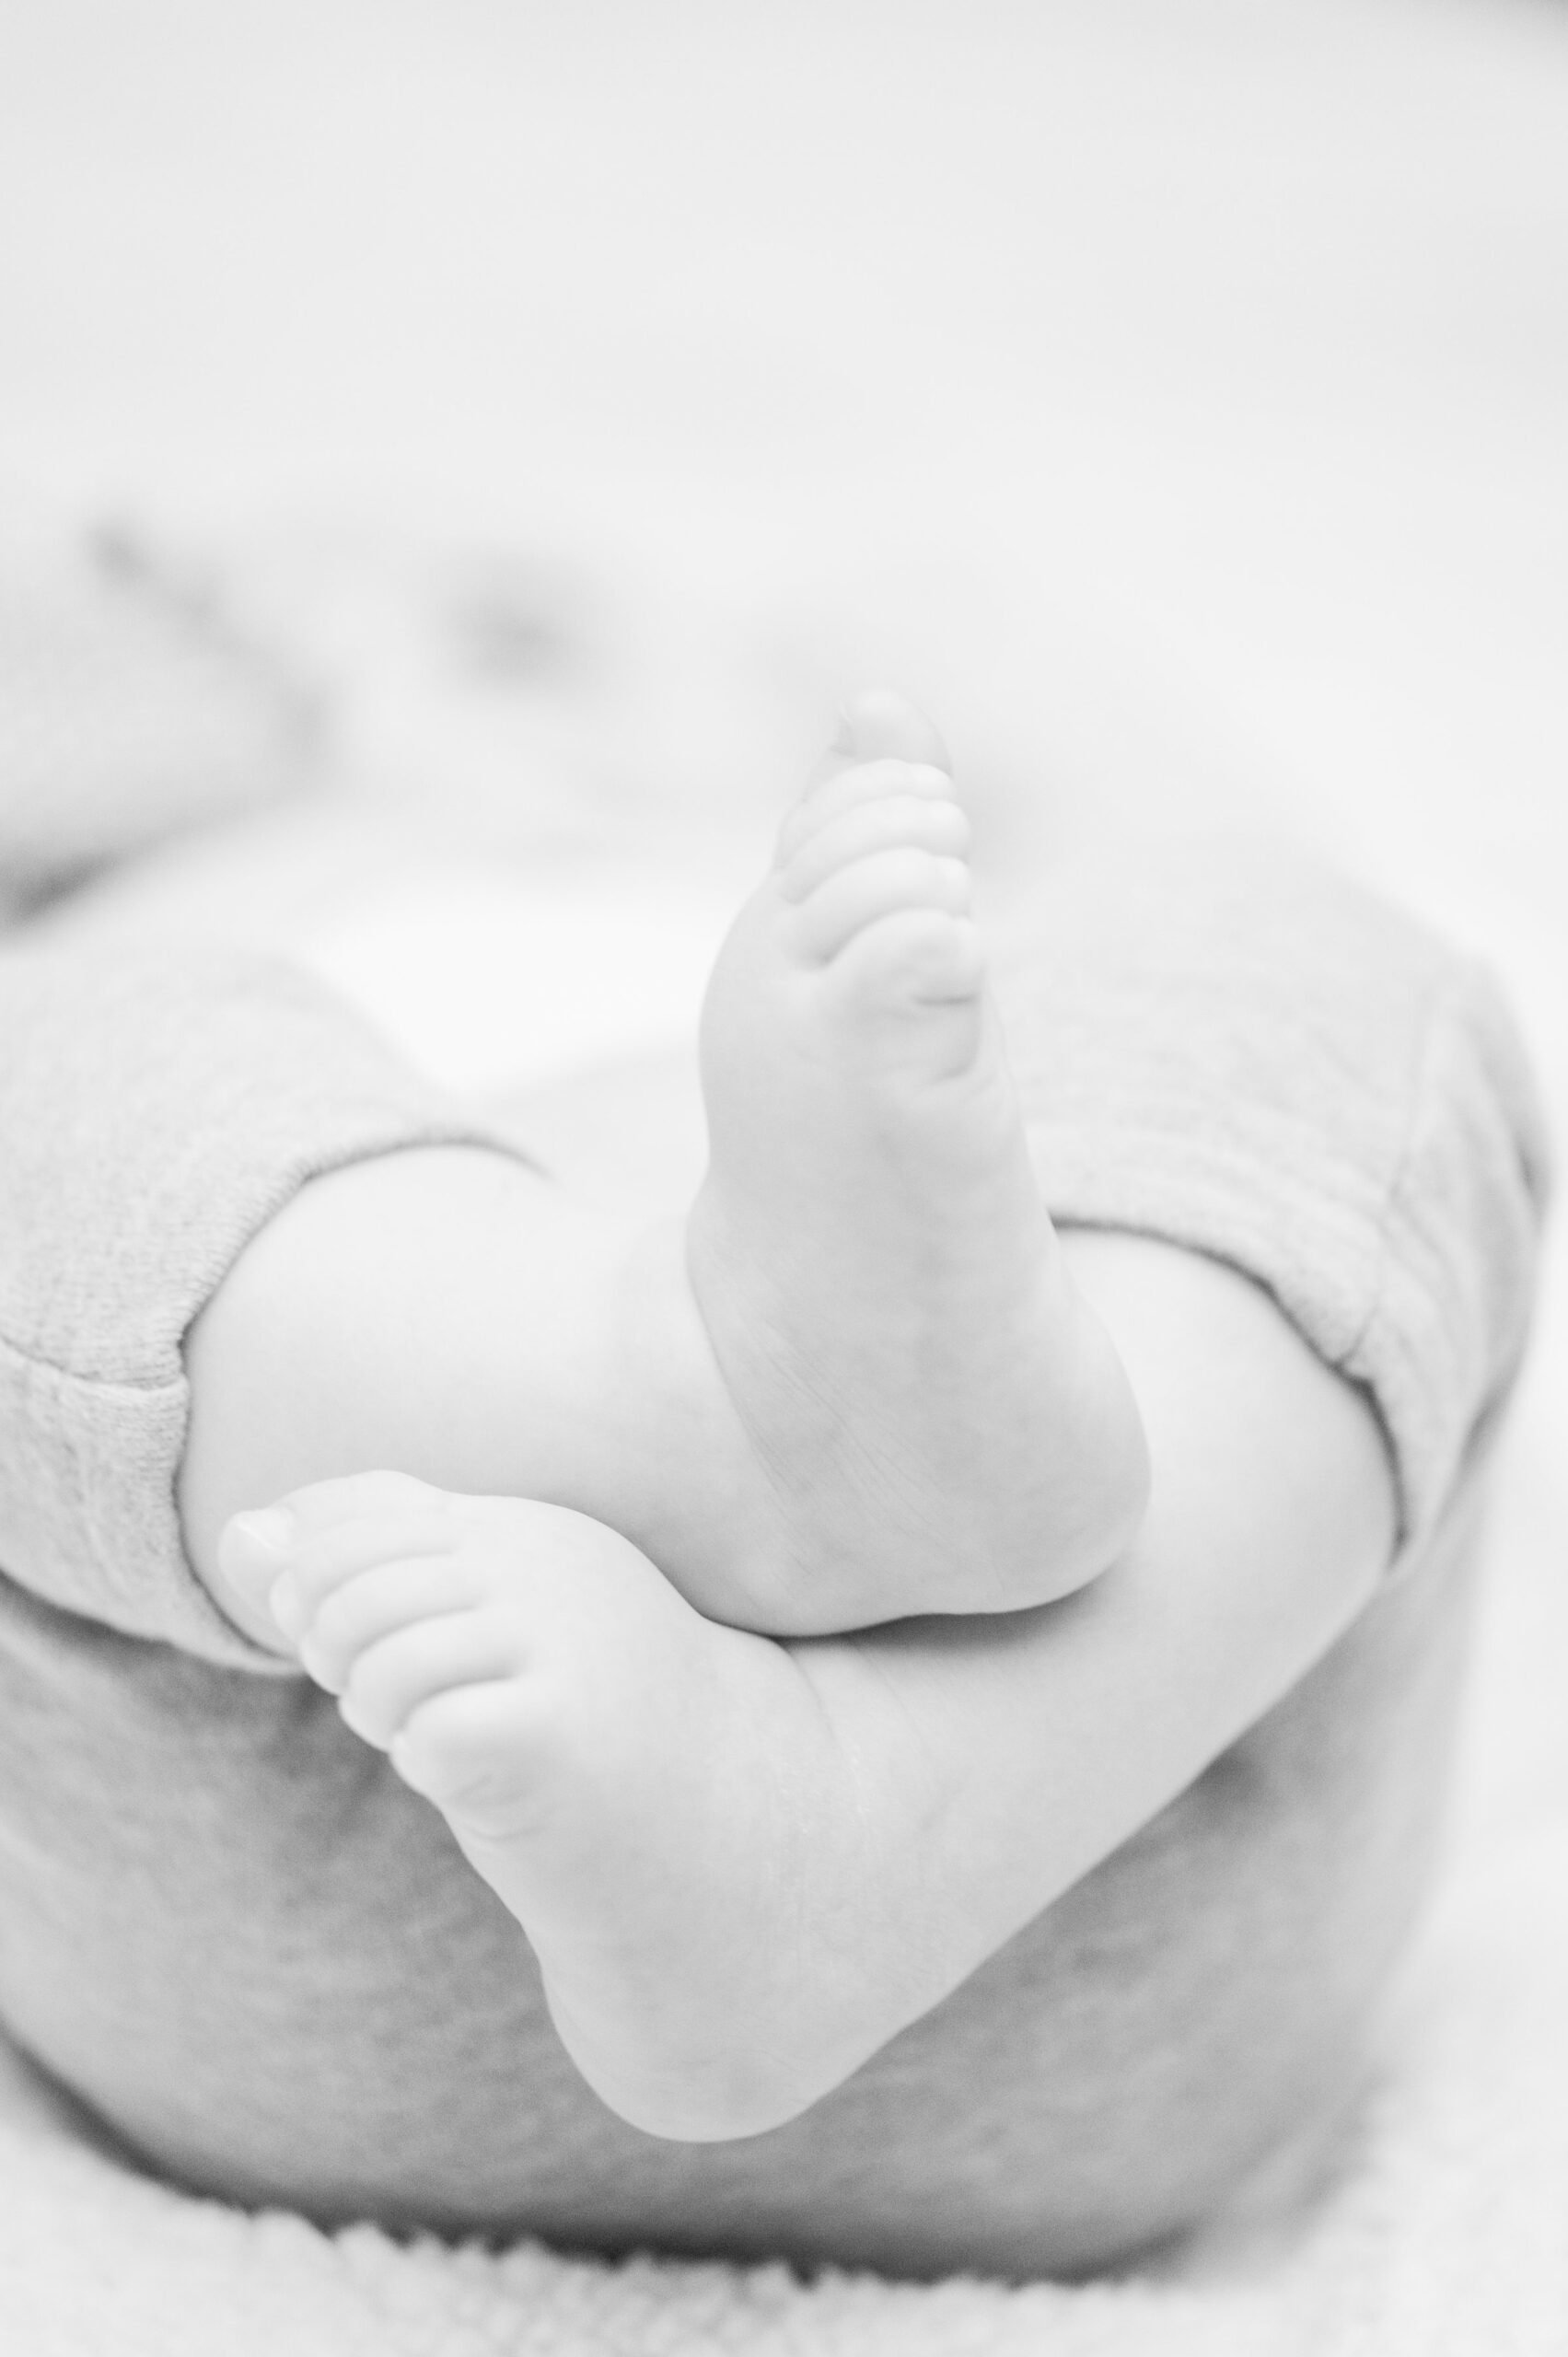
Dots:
pixel 941 1413
pixel 857 1382
pixel 659 1799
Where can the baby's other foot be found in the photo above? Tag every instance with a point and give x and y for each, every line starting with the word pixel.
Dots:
pixel 653 1796
pixel 944 1423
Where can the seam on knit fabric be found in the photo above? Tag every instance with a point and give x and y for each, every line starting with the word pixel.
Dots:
pixel 1445 996
pixel 101 1386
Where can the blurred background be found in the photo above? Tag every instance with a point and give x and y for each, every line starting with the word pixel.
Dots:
pixel 1172 394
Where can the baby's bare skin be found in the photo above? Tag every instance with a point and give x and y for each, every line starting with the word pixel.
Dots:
pixel 942 1417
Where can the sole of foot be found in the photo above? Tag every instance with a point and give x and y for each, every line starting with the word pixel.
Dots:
pixel 944 1424
pixel 538 1681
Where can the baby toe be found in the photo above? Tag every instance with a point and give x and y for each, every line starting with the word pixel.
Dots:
pixel 469 1751
pixel 881 885
pixel 890 822
pixel 375 1604
pixel 356 1497
pixel 847 788
pixel 394 1677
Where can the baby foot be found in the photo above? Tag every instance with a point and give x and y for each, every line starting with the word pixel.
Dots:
pixel 653 1798
pixel 946 1423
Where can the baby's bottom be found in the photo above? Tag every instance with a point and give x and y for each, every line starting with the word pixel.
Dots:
pixel 234 1932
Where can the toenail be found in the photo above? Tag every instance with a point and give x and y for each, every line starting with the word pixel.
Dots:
pixel 270 1527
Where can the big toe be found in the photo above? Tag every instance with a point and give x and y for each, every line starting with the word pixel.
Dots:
pixel 880 725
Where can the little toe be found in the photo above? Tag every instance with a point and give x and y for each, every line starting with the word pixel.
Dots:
pixel 890 822
pixel 879 886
